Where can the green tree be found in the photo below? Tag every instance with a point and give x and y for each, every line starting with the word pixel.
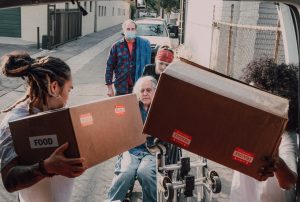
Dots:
pixel 153 5
pixel 167 5
pixel 170 5
pixel 132 11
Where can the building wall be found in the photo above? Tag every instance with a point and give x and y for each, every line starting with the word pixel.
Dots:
pixel 107 19
pixel 198 31
pixel 36 16
pixel 101 15
pixel 88 20
pixel 31 18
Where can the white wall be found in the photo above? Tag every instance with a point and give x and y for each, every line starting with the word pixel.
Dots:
pixel 109 20
pixel 36 16
pixel 31 18
pixel 289 37
pixel 88 20
pixel 199 30
pixel 63 5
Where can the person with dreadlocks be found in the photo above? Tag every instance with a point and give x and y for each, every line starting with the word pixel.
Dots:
pixel 163 58
pixel 49 82
pixel 280 172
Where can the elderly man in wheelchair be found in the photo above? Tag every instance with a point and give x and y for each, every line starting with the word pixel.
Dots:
pixel 139 162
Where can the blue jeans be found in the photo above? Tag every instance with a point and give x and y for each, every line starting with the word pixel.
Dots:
pixel 128 167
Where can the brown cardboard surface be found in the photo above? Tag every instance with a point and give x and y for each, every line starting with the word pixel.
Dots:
pixel 235 126
pixel 57 123
pixel 96 131
pixel 117 127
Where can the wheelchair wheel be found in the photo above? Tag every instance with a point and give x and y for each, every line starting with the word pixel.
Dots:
pixel 169 192
pixel 213 174
pixel 216 184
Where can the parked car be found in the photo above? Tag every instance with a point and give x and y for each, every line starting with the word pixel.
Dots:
pixel 156 31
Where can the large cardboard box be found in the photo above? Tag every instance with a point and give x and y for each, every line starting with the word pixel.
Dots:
pixel 96 131
pixel 216 117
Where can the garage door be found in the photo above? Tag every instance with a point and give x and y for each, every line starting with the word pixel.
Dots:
pixel 10 22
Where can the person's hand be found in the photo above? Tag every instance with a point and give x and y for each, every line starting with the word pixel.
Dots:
pixel 270 166
pixel 275 166
pixel 58 164
pixel 110 91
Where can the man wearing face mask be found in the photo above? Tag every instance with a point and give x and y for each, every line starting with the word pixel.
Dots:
pixel 126 61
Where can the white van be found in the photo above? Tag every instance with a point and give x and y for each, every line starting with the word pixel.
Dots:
pixel 156 31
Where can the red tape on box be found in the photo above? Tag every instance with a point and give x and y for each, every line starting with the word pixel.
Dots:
pixel 86 119
pixel 181 138
pixel 120 110
pixel 243 156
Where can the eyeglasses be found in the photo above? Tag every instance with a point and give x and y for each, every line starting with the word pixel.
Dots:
pixel 148 90
pixel 164 63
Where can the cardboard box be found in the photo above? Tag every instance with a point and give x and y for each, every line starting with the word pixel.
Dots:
pixel 96 131
pixel 221 119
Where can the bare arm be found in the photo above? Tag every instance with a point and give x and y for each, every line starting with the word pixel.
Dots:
pixel 277 167
pixel 285 176
pixel 16 177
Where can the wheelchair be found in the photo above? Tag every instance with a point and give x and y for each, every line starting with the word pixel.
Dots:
pixel 179 179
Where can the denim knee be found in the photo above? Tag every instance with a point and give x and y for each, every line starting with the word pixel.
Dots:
pixel 147 170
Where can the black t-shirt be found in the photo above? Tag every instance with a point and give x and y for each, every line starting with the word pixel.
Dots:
pixel 150 71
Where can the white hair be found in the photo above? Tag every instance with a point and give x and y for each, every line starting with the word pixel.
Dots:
pixel 126 22
pixel 140 81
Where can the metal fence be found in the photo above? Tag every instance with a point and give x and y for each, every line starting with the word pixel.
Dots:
pixel 63 26
pixel 243 31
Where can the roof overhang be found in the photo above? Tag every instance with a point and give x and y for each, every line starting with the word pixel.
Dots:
pixel 17 3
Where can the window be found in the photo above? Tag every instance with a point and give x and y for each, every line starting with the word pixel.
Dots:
pixel 102 10
pixel 140 4
pixel 99 9
pixel 91 5
pixel 113 11
pixel 105 11
pixel 85 5
pixel 66 6
pixel 151 30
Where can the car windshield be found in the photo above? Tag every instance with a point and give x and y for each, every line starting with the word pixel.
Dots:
pixel 151 30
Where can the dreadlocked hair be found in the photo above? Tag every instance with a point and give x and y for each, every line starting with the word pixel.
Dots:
pixel 38 73
pixel 278 79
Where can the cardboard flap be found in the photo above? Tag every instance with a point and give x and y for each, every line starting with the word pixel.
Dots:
pixel 229 88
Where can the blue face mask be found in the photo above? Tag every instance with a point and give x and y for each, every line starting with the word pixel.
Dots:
pixel 130 35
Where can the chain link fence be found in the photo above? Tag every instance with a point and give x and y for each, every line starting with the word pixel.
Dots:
pixel 243 31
